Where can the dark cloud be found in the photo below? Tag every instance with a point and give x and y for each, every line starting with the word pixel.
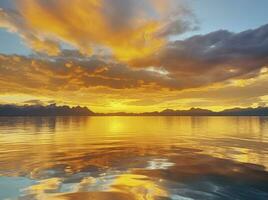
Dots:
pixel 214 57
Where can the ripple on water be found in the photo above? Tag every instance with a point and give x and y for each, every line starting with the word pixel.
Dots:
pixel 134 158
pixel 177 177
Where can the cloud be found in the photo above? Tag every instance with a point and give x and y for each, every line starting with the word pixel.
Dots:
pixel 129 29
pixel 214 57
pixel 74 73
pixel 136 31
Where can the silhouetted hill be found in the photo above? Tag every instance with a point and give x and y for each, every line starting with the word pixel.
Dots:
pixel 191 112
pixel 54 110
pixel 39 110
pixel 260 111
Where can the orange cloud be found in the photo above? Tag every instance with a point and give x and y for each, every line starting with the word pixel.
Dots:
pixel 129 29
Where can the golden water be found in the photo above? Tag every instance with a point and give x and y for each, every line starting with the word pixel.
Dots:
pixel 142 158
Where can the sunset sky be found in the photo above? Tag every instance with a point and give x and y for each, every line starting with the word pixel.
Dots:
pixel 134 55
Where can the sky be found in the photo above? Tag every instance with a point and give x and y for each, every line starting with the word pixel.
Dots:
pixel 134 55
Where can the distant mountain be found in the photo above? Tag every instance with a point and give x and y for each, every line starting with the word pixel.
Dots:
pixel 39 110
pixel 259 111
pixel 192 111
pixel 54 110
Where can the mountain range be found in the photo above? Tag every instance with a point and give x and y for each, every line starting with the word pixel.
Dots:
pixel 55 110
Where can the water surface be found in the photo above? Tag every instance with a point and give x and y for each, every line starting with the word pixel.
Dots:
pixel 139 158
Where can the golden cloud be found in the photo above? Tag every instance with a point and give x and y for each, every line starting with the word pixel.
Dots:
pixel 129 29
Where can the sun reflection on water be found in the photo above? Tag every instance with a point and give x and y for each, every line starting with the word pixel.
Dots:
pixel 139 158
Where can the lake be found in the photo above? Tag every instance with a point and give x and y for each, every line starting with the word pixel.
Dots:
pixel 136 158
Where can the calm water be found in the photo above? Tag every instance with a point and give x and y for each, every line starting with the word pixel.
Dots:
pixel 135 158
